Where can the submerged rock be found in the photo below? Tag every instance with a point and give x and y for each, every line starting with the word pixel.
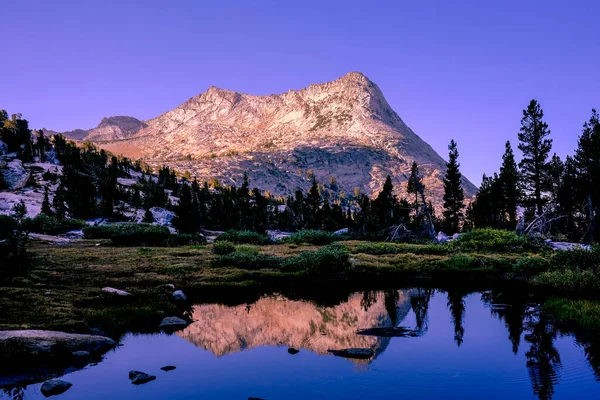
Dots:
pixel 172 323
pixel 168 368
pixel 55 387
pixel 357 353
pixel 118 292
pixel 138 377
pixel 81 357
pixel 389 332
pixel 293 351
pixel 178 295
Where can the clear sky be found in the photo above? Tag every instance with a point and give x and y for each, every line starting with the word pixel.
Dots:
pixel 451 69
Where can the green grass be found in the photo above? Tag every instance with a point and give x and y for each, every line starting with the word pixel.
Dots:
pixel 578 314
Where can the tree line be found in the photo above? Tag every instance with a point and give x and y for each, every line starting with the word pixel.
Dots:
pixel 563 196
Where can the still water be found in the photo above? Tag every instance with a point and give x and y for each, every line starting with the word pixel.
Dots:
pixel 481 345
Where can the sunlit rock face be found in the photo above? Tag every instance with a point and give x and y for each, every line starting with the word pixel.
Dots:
pixel 344 129
pixel 277 321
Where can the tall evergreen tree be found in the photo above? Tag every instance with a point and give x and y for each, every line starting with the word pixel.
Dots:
pixel 58 202
pixel 313 204
pixel 587 164
pixel 509 180
pixel 46 210
pixel 384 204
pixel 535 147
pixel 453 192
pixel 183 220
pixel 415 181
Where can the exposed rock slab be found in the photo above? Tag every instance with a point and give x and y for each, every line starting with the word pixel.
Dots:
pixel 117 292
pixel 28 356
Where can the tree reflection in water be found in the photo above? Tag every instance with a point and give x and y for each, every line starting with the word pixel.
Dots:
pixel 510 306
pixel 419 301
pixel 543 360
pixel 456 305
pixel 16 393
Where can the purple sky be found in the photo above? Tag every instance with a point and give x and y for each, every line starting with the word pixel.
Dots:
pixel 451 69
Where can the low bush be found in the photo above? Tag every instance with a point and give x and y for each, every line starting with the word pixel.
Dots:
pixel 129 234
pixel 244 237
pixel 530 266
pixel 493 240
pixel 53 226
pixel 578 259
pixel 224 247
pixel 247 248
pixel 318 238
pixel 572 281
pixel 327 261
pixel 249 261
pixel 392 248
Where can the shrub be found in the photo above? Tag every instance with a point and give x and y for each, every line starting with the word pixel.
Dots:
pixel 248 261
pixel 391 248
pixel 530 265
pixel 244 237
pixel 223 247
pixel 315 237
pixel 43 223
pixel 568 281
pixel 141 235
pixel 129 234
pixel 328 261
pixel 493 240
pixel 577 259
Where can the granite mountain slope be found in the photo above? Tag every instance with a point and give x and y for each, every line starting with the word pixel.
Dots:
pixel 343 129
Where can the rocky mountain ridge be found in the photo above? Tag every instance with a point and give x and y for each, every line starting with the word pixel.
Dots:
pixel 344 129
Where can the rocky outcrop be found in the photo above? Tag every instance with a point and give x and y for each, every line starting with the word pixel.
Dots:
pixel 343 129
pixel 14 175
pixel 28 356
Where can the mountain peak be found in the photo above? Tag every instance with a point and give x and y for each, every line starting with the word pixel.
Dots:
pixel 343 129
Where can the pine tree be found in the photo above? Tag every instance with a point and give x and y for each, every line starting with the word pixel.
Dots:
pixel 384 204
pixel 587 164
pixel 509 179
pixel 313 205
pixel 535 147
pixel 58 202
pixel 259 214
pixel 453 192
pixel 183 220
pixel 46 210
pixel 415 181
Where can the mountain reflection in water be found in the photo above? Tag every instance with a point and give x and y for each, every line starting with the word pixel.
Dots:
pixel 278 321
pixel 453 343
